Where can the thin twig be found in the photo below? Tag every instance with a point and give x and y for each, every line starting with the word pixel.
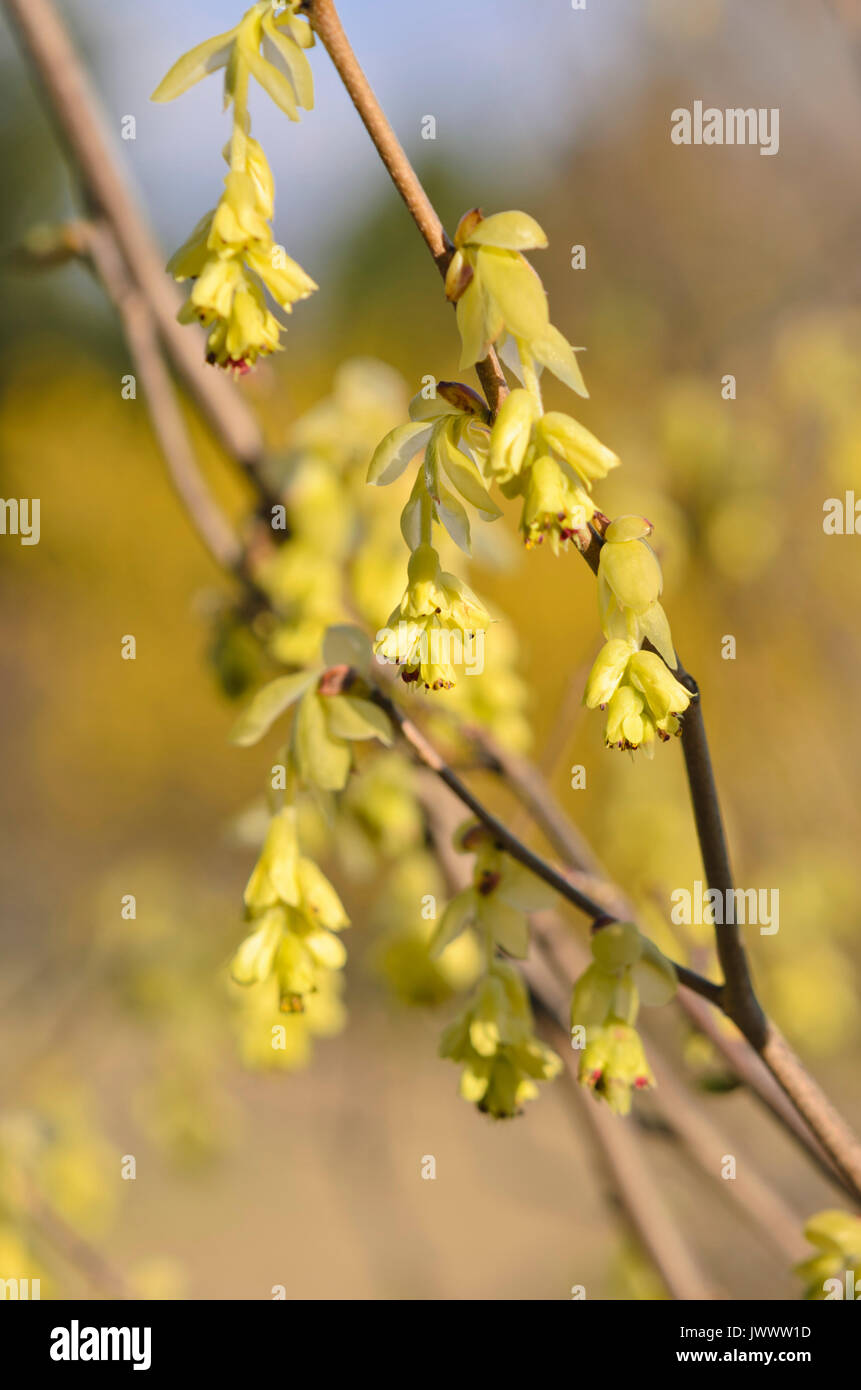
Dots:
pixel 430 758
pixel 327 25
pixel 97 243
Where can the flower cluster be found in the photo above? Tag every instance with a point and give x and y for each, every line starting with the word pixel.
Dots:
pixel 295 912
pixel 497 901
pixel 626 970
pixel 231 255
pixel 295 915
pixel 551 461
pixel 493 1039
pixel 425 633
pixel 637 688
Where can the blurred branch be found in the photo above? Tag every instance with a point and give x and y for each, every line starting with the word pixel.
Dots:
pixel 97 244
pixel 56 1232
pixel 81 128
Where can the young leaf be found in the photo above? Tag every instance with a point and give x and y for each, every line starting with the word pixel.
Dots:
pixel 322 759
pixel 268 704
pixel 457 916
pixel 198 63
pixel 273 82
pixel 285 52
pixel 352 718
pixel 347 645
pixel 394 452
pixel 453 516
pixel 466 478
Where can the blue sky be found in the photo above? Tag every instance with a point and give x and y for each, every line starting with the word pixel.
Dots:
pixel 496 74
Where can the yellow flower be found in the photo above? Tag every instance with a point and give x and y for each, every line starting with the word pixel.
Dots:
pixel 425 633
pixel 554 506
pixel 837 1236
pixel 269 1039
pixel 231 253
pixel 511 436
pixel 640 694
pixel 613 1064
pixel 629 586
pixel 496 291
pixel 493 1039
pixel 294 911
pixel 575 446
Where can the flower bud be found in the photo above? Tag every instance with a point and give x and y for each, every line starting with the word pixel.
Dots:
pixel 632 572
pixel 511 434
pixel 628 528
pixel 607 672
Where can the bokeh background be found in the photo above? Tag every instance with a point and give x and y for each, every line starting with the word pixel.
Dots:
pixel 118 1037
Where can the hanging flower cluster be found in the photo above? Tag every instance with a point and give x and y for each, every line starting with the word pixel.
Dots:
pixel 295 915
pixel 294 912
pixel 637 688
pixel 626 970
pixel 494 1041
pixel 426 632
pixel 231 255
pixel 551 461
pixel 493 1037
pixel 546 458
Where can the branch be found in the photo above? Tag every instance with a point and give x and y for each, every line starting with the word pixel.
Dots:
pixel 327 25
pixel 504 838
pixel 736 996
pixel 96 242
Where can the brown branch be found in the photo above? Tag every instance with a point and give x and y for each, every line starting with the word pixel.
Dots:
pixel 327 25
pixel 431 759
pixel 739 998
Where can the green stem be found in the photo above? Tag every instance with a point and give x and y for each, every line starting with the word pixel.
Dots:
pixel 239 138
